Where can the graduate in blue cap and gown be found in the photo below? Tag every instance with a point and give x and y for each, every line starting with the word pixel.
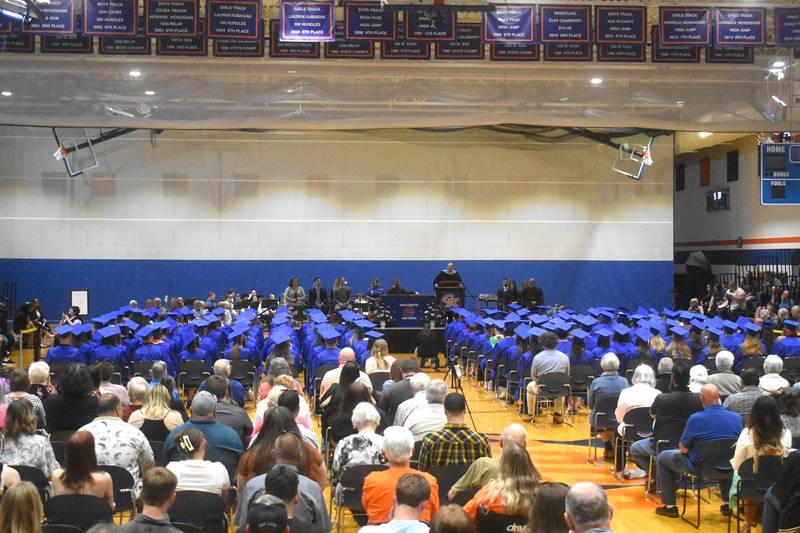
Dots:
pixel 603 343
pixel 329 355
pixel 621 344
pixel 63 351
pixel 110 349
pixel 789 345
pixel 750 347
pixel 193 351
pixel 152 348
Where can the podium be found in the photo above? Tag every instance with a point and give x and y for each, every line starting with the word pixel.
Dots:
pixel 449 293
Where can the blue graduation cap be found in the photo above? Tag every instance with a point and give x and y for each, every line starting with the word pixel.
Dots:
pixel 501 324
pixel 603 332
pixel 686 315
pixel 130 324
pixel 644 334
pixel 348 315
pixel 364 323
pixel 621 329
pixel 64 330
pixel 580 334
pixel 188 336
pixel 328 334
pixel 280 320
pixel 109 331
pixel 714 332
pixel 212 320
pixel 523 312
pixel 136 311
pixel 152 312
pixel 104 319
pixel 124 309
pixel 80 329
pixel 742 321
pixel 522 331
pixel 607 314
pixel 669 312
pixel 490 311
pixel 319 318
pixel 671 322
pixel 752 328
pixel 593 312
pixel 200 323
pixel 489 322
pixel 146 331
pixel 373 334
pixel 730 326
pixel 514 306
pixel 538 319
pixel 791 324
pixel 563 327
pixel 479 321
pixel 678 331
pixel 585 320
pixel 699 325
pixel 536 332
pixel 281 335
pixel 513 317
pixel 641 310
pixel 549 326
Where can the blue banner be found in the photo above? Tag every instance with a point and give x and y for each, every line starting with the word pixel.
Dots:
pixel 137 45
pixel 66 44
pixel 172 17
pixel 660 53
pixel 399 48
pixel 307 21
pixel 620 53
pixel 740 26
pixel 59 19
pixel 684 25
pixel 17 42
pixel 5 25
pixel 289 50
pixel 110 17
pixel 620 24
pixel 787 26
pixel 568 52
pixel 240 47
pixel 407 310
pixel 514 52
pixel 369 21
pixel 439 26
pixel 196 45
pixel 729 54
pixel 467 45
pixel 234 19
pixel 510 24
pixel 342 48
pixel 565 24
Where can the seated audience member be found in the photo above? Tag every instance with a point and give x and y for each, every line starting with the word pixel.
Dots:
pixel 664 374
pixel 548 361
pixel 670 411
pixel 362 448
pixel 726 381
pixel 331 401
pixel 155 419
pixel 288 452
pixel 278 366
pixel 456 443
pixel 451 518
pixel 268 516
pixel 714 422
pixel 106 371
pixel 379 487
pixel 764 435
pixel 228 412
pixel 547 511
pixel 137 393
pixel 609 384
pixel 772 382
pixel 742 402
pixel 222 368
pixel 39 377
pixel 379 359
pixel 175 401
pixel 19 384
pixel 22 445
pixel 74 405
pixel 283 383
pixel 260 456
pixel 486 469
pixel 281 484
pixel 419 384
pixel 346 355
pixel 80 474
pixel 290 400
pixel 222 443
pixel 21 509
pixel 587 509
pixel 395 375
pixel 698 376
pixel 401 390
pixel 411 497
pixel 641 394
pixel 158 495
pixel 789 402
pixel 429 417
pixel 513 491
pixel 193 471
pixel 340 422
pixel 784 491
pixel 110 432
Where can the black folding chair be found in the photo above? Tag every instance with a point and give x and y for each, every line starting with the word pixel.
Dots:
pixel 60 528
pixel 378 379
pixel 791 369
pixel 142 368
pixel 243 371
pixel 122 481
pixel 714 466
pixel 192 374
pixel 318 383
pixel 667 433
pixel 636 424
pixel 186 528
pixel 491 522
pixel 204 510
pixel 580 379
pixel 633 363
pixel 350 489
pixel 756 363
pixel 35 476
pixel 604 420
pixel 447 476
pixel 77 510
pixel 752 485
pixel 551 387
pixel 158 452
pixel 711 365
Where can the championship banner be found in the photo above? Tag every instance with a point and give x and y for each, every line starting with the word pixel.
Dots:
pixel 424 27
pixel 137 45
pixel 565 24
pixel 468 44
pixel 16 42
pixel 172 18
pixel 729 54
pixel 196 45
pixel 514 52
pixel 660 53
pixel 621 53
pixel 568 52
pixel 369 21
pixel 234 19
pixel 787 26
pixel 342 48
pixel 240 47
pixel 620 24
pixel 289 50
pixel 66 44
pixel 59 19
pixel 399 48
pixel 307 21
pixel 510 24
pixel 684 25
pixel 740 26
pixel 110 17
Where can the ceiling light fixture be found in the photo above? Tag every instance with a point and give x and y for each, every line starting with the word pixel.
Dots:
pixel 596 81
pixel 134 74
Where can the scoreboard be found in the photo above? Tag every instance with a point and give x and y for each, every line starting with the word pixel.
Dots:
pixel 780 174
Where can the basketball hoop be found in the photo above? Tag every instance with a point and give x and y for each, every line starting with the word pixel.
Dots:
pixel 632 158
pixel 75 150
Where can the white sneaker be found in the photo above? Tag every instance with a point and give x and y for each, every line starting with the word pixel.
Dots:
pixel 635 473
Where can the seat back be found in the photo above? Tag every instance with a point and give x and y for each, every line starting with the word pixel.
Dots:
pixel 790 515
pixel 35 476
pixel 553 384
pixel 491 522
pixel 158 452
pixel 78 510
pixel 791 369
pixel 378 379
pixel 711 365
pixel 581 375
pixel 638 424
pixel 142 368
pixel 243 371
pixel 669 429
pixel 186 528
pixel 715 459
pixel 60 528
pixel 192 373
pixel 122 481
pixel 755 484
pixel 351 485
pixel 201 509
pixel 635 362
pixel 756 363
pixel 604 407
pixel 447 477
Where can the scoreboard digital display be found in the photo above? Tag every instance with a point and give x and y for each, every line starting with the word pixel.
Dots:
pixel 780 174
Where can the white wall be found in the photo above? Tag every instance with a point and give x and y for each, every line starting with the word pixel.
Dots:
pixel 335 195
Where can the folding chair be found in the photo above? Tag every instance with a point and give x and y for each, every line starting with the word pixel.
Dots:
pixel 204 510
pixel 78 510
pixel 378 379
pixel 756 363
pixel 187 528
pixel 633 363
pixel 714 466
pixel 604 420
pixel 791 369
pixel 350 489
pixel 158 452
pixel 636 424
pixel 666 434
pixel 711 365
pixel 243 371
pixel 191 374
pixel 122 481
pixel 142 368
pixel 317 383
pixel 35 476
pixel 60 528
pixel 447 476
pixel 580 379
pixel 551 387
pixel 752 485
pixel 491 522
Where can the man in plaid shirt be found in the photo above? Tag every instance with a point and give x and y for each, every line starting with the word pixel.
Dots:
pixel 455 444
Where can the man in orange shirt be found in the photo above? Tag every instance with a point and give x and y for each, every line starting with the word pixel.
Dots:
pixel 379 487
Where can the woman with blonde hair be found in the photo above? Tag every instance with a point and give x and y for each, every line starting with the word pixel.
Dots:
pixel 380 360
pixel 21 509
pixel 513 492
pixel 156 419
